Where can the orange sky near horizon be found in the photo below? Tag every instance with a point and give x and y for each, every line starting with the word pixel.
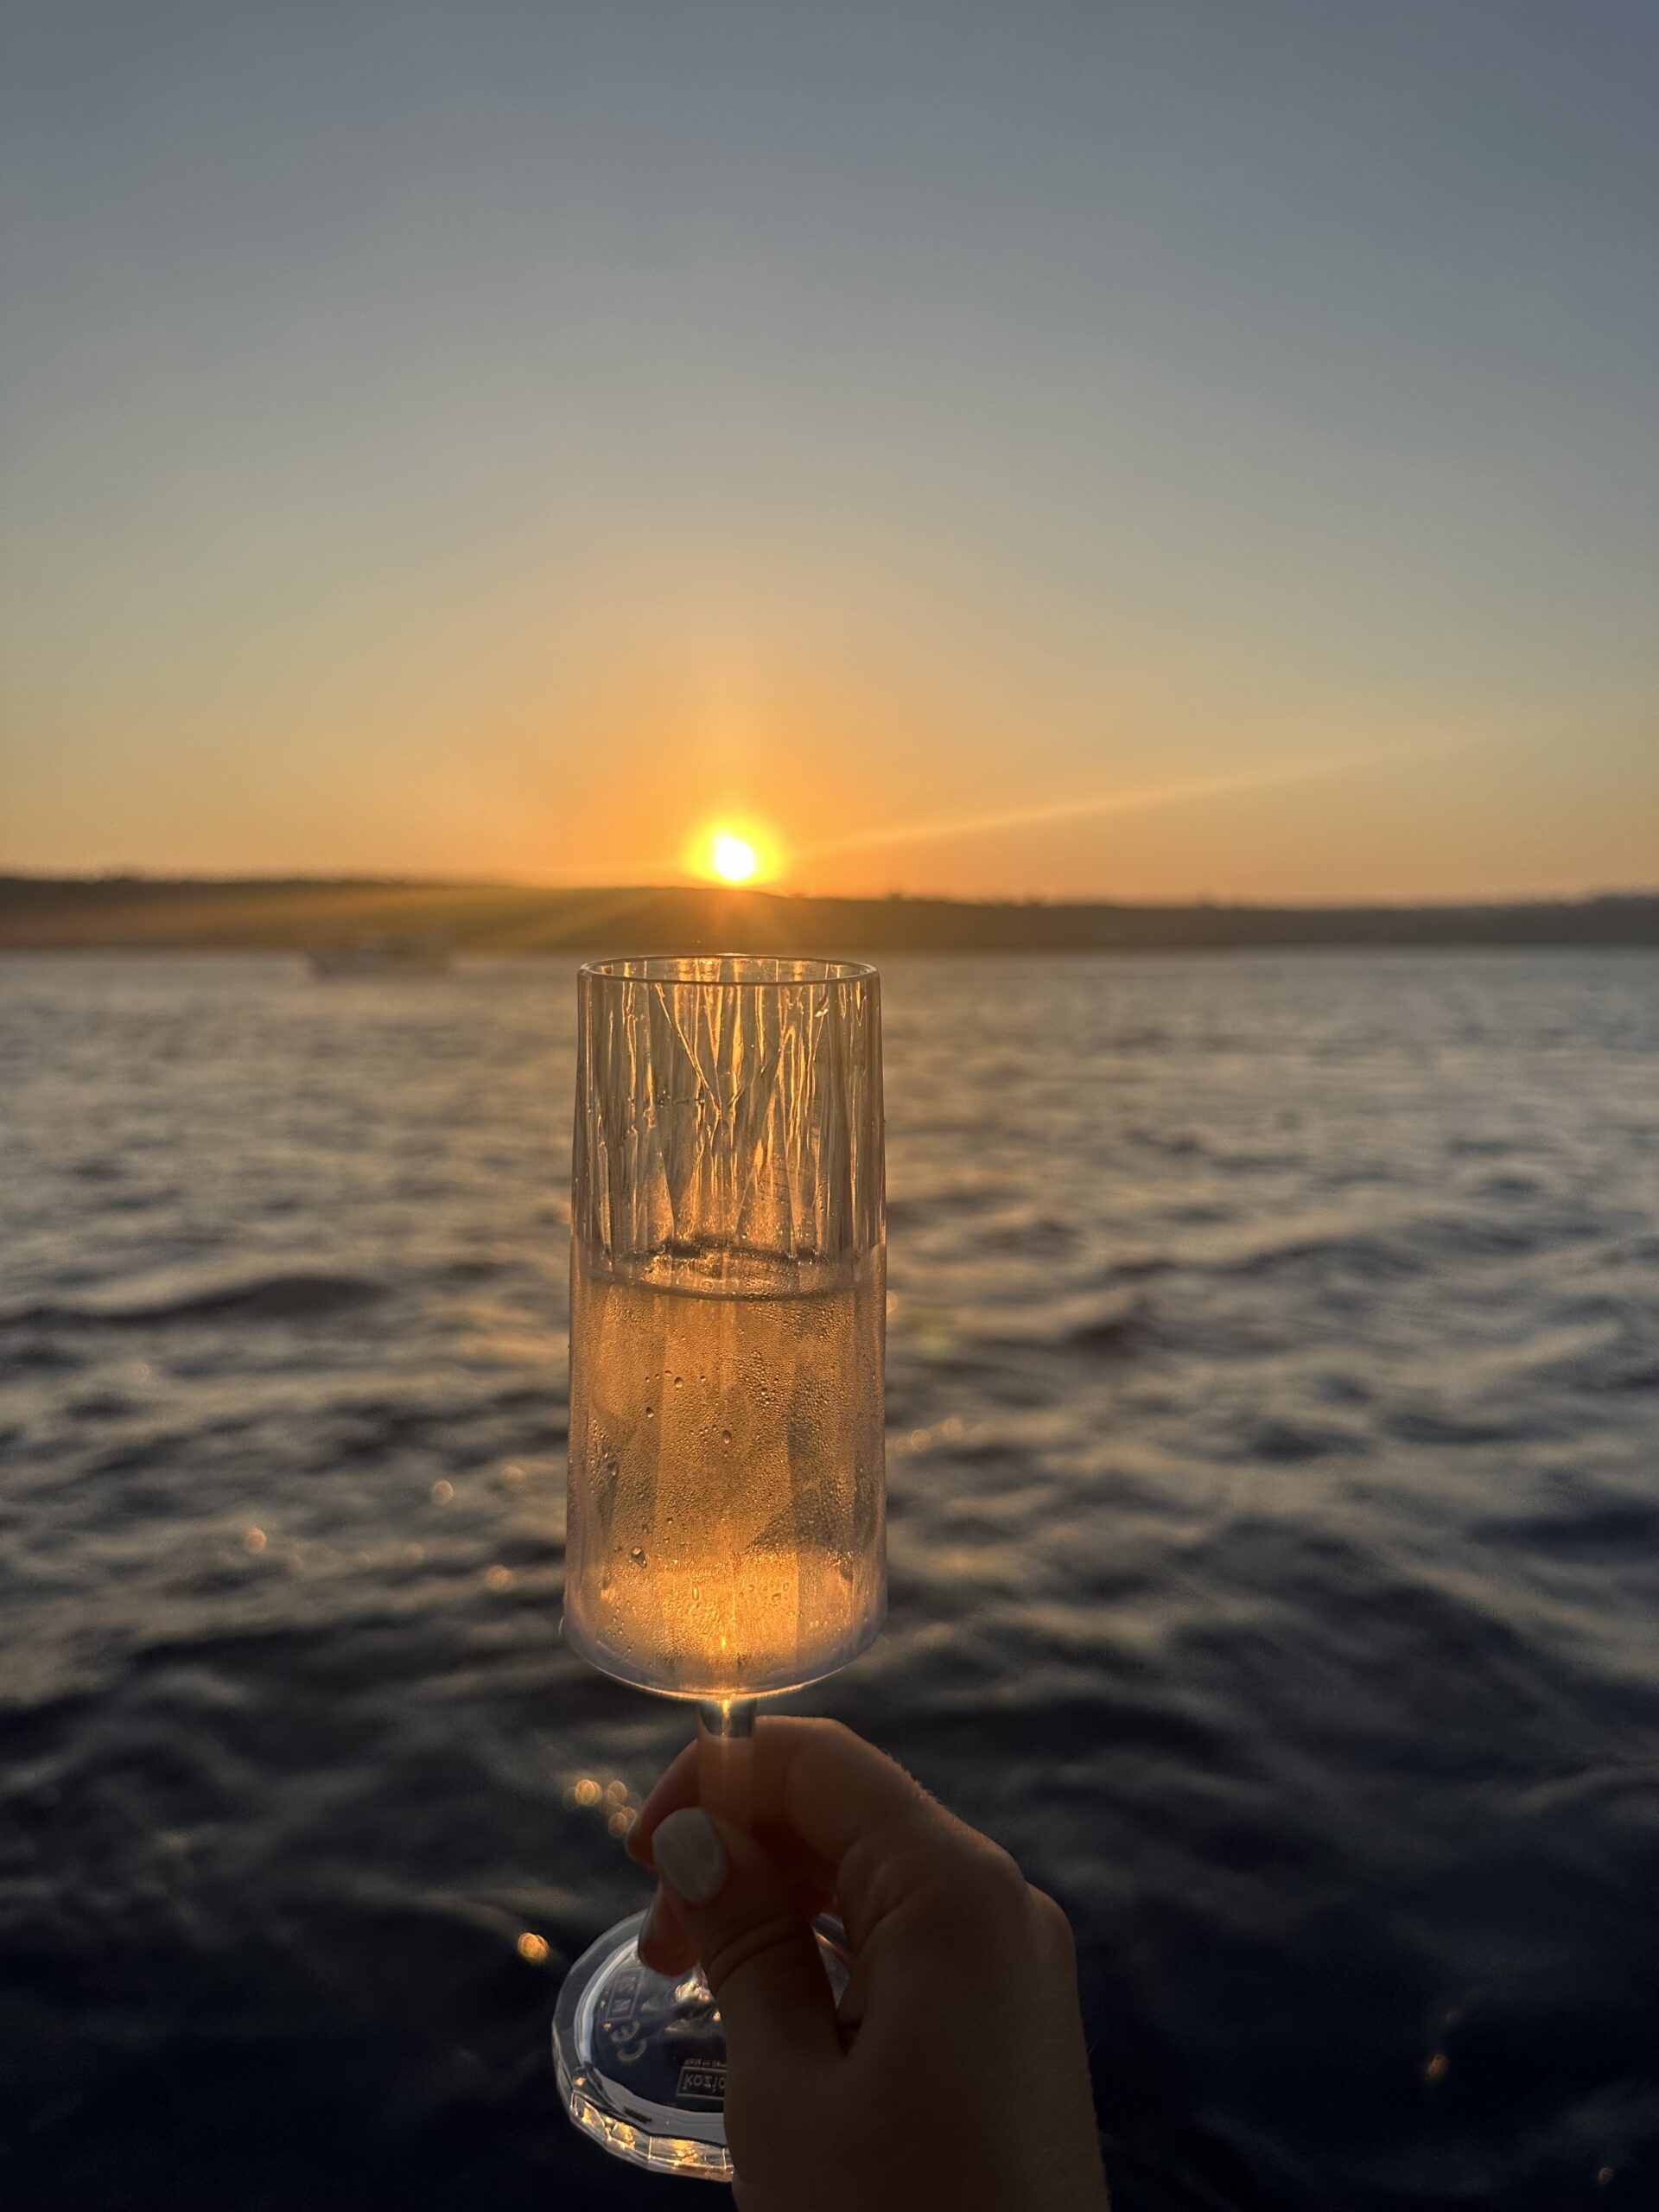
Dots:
pixel 994 453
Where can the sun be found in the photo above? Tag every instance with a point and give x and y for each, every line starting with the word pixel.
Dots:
pixel 733 859
pixel 734 851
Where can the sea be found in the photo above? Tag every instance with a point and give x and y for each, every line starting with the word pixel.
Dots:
pixel 1273 1400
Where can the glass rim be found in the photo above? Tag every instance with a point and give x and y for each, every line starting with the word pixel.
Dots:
pixel 789 971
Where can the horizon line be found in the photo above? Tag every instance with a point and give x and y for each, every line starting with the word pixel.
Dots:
pixel 273 879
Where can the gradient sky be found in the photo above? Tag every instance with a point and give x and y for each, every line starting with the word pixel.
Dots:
pixel 1157 450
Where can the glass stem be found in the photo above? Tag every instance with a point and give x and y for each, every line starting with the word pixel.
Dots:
pixel 726 1759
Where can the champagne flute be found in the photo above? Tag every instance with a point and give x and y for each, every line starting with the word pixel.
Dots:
pixel 726 1534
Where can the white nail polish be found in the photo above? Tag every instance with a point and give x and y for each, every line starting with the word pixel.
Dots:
pixel 690 1856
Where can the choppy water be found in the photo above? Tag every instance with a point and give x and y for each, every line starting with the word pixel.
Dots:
pixel 1275 1389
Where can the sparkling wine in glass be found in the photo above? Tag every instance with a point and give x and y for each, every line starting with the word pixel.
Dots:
pixel 726 1529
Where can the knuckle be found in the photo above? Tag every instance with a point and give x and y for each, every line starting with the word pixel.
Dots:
pixel 891 1862
pixel 944 1880
pixel 991 1880
pixel 1053 1927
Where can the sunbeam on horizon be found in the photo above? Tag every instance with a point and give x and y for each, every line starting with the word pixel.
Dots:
pixel 1055 811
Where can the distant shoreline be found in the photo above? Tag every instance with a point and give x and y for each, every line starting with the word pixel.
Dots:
pixel 143 913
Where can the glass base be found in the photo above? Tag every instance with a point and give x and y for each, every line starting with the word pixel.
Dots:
pixel 641 2056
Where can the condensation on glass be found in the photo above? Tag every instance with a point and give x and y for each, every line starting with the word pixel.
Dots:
pixel 726 1532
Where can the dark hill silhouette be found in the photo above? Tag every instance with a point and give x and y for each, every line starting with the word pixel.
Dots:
pixel 151 913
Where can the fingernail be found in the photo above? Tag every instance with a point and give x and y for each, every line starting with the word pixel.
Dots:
pixel 690 1855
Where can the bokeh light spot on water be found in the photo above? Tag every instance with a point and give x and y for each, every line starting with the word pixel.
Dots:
pixel 254 1540
pixel 935 1334
pixel 1437 2067
pixel 442 1491
pixel 533 1947
pixel 512 1475
pixel 622 1821
pixel 587 1791
pixel 1604 2174
pixel 499 1578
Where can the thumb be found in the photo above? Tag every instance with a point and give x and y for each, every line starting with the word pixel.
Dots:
pixel 760 1955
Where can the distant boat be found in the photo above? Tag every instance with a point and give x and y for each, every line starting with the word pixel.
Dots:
pixel 382 955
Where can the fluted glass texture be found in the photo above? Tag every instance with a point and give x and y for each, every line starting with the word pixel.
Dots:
pixel 726 1532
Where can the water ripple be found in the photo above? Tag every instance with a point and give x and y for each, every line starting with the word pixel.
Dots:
pixel 1274 1563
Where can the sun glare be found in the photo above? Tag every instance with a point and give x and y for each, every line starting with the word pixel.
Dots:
pixel 733 857
pixel 733 852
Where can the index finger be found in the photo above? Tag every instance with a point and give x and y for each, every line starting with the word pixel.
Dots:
pixel 816 1779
